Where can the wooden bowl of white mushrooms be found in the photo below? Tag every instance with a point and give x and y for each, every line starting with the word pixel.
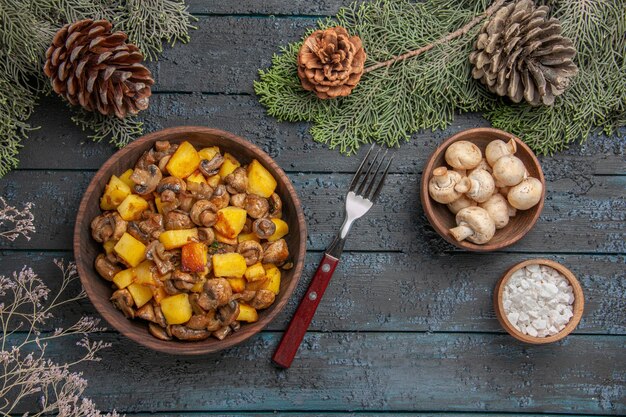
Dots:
pixel 482 189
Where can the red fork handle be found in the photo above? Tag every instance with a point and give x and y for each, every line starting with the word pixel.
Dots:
pixel 301 320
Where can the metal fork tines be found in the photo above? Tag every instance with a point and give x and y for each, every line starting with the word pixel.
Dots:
pixel 363 192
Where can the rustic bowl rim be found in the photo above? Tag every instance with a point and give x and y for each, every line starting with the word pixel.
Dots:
pixel 427 202
pixel 578 306
pixel 86 272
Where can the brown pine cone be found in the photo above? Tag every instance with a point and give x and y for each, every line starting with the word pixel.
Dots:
pixel 330 62
pixel 521 53
pixel 90 66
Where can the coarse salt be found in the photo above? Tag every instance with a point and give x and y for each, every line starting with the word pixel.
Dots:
pixel 538 301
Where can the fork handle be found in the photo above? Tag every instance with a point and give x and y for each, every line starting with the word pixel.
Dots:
pixel 301 320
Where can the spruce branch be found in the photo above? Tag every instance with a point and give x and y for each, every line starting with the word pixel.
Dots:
pixel 457 33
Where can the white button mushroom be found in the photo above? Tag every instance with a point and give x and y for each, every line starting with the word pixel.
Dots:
pixel 509 170
pixel 441 186
pixel 461 203
pixel 473 224
pixel 498 209
pixel 480 185
pixel 483 164
pixel 496 149
pixel 463 155
pixel 526 194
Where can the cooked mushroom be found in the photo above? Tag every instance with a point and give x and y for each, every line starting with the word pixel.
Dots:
pixel 463 155
pixel 442 187
pixel 238 200
pixel 158 316
pixel 185 333
pixel 206 235
pixel 526 194
pixel 107 226
pixel 204 213
pixel 473 224
pixel 186 201
pixel 509 170
pixel 498 210
pixel 237 181
pixel 148 229
pixel 162 145
pixel 480 185
pixel 205 321
pixel 183 281
pixel 105 268
pixel 155 251
pixel 170 288
pixel 215 293
pixel 211 167
pixel 247 228
pixel 276 206
pixel 251 250
pixel 200 190
pixel 461 203
pixel 276 253
pixel 496 149
pixel 123 300
pixel 228 313
pixel 146 180
pixel 147 158
pixel 177 220
pixel 256 206
pixel 158 331
pixel 220 197
pixel 171 183
pixel 146 312
pixel 263 299
pixel 235 325
pixel 222 333
pixel 263 228
pixel 163 163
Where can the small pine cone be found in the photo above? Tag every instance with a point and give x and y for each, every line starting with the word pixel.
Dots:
pixel 90 66
pixel 521 53
pixel 330 62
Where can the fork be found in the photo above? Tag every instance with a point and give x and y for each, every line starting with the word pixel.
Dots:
pixel 361 197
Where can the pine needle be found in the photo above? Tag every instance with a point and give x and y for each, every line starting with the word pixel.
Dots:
pixel 427 91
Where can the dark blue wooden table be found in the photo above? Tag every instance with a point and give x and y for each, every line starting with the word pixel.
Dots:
pixel 407 326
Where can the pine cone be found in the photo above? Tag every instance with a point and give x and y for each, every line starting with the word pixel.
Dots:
pixel 521 53
pixel 330 62
pixel 90 66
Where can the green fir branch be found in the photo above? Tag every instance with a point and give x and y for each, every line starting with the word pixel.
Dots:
pixel 119 132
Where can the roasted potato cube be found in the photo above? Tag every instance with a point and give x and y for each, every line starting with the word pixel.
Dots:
pixel 197 287
pixel 273 278
pixel 184 161
pixel 260 181
pixel 125 178
pixel 255 272
pixel 194 257
pixel 159 293
pixel 282 228
pixel 159 204
pixel 230 265
pixel 214 180
pixel 223 239
pixel 208 153
pixel 141 293
pixel 173 239
pixel 247 236
pixel 229 165
pixel 143 273
pixel 124 278
pixel 196 177
pixel 114 193
pixel 230 221
pixel 237 284
pixel 132 207
pixel 176 309
pixel 109 245
pixel 247 313
pixel 130 250
pixel 257 285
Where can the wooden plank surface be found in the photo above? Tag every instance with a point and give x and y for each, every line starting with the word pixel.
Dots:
pixel 366 371
pixel 580 214
pixel 267 7
pixel 383 292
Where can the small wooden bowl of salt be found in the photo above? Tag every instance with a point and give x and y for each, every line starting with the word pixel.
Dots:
pixel 539 301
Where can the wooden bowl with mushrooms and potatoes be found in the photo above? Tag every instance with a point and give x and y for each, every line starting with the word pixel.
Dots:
pixel 482 189
pixel 280 205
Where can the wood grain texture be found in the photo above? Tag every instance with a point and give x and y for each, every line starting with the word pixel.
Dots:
pixel 442 219
pixel 387 292
pixel 86 248
pixel 288 143
pixel 366 371
pixel 580 214
pixel 268 7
